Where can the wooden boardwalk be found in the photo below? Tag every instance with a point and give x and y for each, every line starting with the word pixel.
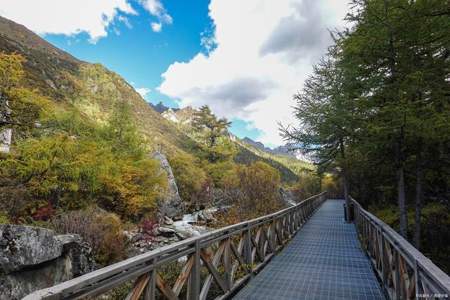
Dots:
pixel 323 261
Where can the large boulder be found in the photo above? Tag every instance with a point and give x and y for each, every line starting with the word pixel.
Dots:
pixel 170 204
pixel 33 258
pixel 24 246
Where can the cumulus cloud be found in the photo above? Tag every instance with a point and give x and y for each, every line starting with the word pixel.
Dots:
pixel 156 9
pixel 300 34
pixel 263 51
pixel 143 91
pixel 66 17
pixel 156 27
pixel 231 96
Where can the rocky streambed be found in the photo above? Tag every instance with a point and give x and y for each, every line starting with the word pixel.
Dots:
pixel 170 231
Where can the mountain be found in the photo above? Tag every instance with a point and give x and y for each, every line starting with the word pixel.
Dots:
pixel 280 150
pixel 280 155
pixel 160 107
pixel 94 90
pixel 249 151
pixel 91 88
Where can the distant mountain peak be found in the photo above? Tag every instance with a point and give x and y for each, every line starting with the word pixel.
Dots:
pixel 160 107
pixel 281 150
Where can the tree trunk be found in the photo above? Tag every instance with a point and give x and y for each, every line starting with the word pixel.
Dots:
pixel 346 196
pixel 345 181
pixel 402 202
pixel 419 196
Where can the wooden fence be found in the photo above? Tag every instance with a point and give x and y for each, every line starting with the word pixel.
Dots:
pixel 213 265
pixel 404 271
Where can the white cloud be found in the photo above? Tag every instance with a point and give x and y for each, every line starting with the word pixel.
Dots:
pixel 156 8
pixel 143 91
pixel 264 51
pixel 125 21
pixel 67 17
pixel 156 27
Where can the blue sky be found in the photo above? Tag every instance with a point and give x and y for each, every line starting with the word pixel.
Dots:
pixel 141 55
pixel 262 50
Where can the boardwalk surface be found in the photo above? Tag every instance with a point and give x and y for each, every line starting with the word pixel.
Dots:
pixel 323 261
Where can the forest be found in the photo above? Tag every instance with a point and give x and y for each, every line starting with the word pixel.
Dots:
pixel 376 111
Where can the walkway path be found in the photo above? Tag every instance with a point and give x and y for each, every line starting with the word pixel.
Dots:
pixel 323 261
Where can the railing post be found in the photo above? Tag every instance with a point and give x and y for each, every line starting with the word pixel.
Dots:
pixel 416 278
pixel 248 247
pixel 227 262
pixel 383 260
pixel 194 279
pixel 150 289
pixel 397 274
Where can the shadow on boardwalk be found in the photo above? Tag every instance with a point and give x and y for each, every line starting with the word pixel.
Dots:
pixel 323 261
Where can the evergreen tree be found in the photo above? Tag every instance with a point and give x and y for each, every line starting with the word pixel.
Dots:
pixel 205 121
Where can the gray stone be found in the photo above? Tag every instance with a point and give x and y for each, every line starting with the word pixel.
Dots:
pixel 168 221
pixel 287 196
pixel 33 258
pixel 170 204
pixel 165 231
pixel 23 246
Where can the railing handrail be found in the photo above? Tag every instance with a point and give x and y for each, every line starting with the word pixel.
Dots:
pixel 148 261
pixel 413 256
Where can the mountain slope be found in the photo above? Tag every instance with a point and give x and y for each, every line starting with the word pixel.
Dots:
pixel 90 87
pixel 94 90
pixel 288 166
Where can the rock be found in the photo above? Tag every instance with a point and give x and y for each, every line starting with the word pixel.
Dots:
pixel 171 204
pixel 5 140
pixel 168 221
pixel 165 231
pixel 287 197
pixel 137 237
pixel 23 246
pixel 206 216
pixel 129 235
pixel 160 239
pixel 182 234
pixel 33 258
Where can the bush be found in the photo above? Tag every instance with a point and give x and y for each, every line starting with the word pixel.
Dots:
pixel 308 185
pixel 332 185
pixel 148 229
pixel 219 171
pixel 96 165
pixel 103 231
pixel 192 181
pixel 254 190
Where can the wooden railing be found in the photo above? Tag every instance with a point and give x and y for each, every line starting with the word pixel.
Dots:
pixel 404 271
pixel 213 265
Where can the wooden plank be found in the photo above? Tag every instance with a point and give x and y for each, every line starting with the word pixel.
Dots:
pixel 184 275
pixel 139 287
pixel 215 261
pixel 214 272
pixel 150 289
pixel 165 289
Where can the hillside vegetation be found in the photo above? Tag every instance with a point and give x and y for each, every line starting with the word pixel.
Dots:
pixel 288 166
pixel 83 142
